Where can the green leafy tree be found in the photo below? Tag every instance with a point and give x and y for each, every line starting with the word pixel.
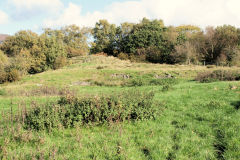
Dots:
pixel 52 49
pixel 74 38
pixel 145 34
pixel 104 35
pixel 22 40
pixel 123 31
pixel 219 44
pixel 22 62
pixel 227 40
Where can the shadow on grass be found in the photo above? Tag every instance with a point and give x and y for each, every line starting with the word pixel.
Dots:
pixel 236 105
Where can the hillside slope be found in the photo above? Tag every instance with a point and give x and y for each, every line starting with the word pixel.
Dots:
pixel 109 71
pixel 196 121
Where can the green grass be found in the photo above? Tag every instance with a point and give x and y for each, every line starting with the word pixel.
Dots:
pixel 198 121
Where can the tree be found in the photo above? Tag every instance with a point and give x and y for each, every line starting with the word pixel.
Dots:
pixel 35 53
pixel 26 45
pixel 219 44
pixel 145 34
pixel 74 38
pixel 185 53
pixel 123 31
pixel 188 29
pixel 227 39
pixel 22 40
pixel 104 35
pixel 22 62
pixel 53 49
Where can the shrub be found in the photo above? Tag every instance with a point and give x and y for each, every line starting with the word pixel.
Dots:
pixel 43 117
pixel 74 52
pixel 210 66
pixel 100 67
pixel 13 75
pixel 139 81
pixel 72 110
pixel 137 58
pixel 131 105
pixel 123 56
pixel 22 62
pixel 3 60
pixel 3 76
pixel 218 75
pixel 60 62
pixel 154 55
pixel 10 75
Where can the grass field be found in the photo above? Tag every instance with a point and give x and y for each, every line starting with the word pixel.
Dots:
pixel 196 120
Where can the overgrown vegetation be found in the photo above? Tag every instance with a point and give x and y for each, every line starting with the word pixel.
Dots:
pixel 151 40
pixel 218 75
pixel 71 110
pixel 28 52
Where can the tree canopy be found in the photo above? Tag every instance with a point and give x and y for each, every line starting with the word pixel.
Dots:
pixel 152 41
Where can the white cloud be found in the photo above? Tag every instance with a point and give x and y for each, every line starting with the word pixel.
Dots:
pixel 173 12
pixel 28 8
pixel 3 17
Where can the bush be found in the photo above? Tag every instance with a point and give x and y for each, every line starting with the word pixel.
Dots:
pixel 3 60
pixel 10 75
pixel 210 66
pixel 218 75
pixel 3 76
pixel 13 75
pixel 22 62
pixel 74 52
pixel 139 81
pixel 71 110
pixel 154 55
pixel 43 117
pixel 137 58
pixel 60 62
pixel 123 56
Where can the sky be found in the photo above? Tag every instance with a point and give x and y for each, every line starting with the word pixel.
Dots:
pixel 16 15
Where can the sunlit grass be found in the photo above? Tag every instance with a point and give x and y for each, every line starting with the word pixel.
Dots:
pixel 197 121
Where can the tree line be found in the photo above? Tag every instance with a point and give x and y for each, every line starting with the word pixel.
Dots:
pixel 151 40
pixel 27 52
